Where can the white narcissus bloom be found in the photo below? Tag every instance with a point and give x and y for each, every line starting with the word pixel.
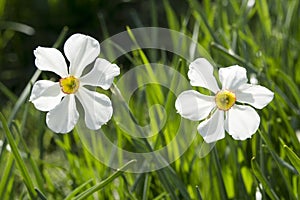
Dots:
pixel 59 97
pixel 221 111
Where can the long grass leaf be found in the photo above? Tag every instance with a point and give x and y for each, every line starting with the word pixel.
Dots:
pixel 78 189
pixel 21 164
pixel 146 187
pixel 36 171
pixel 40 194
pixel 103 183
pixel 293 88
pixel 9 94
pixel 171 16
pixel 16 26
pixel 263 12
pixel 262 179
pixel 7 173
pixel 222 189
pixel 295 160
pixel 199 197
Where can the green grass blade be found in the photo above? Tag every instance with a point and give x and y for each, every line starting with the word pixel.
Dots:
pixel 19 27
pixel 293 88
pixel 199 197
pixel 103 183
pixel 146 187
pixel 40 194
pixel 197 12
pixel 23 96
pixel 166 184
pixel 263 12
pixel 6 174
pixel 10 95
pixel 178 183
pixel 259 175
pixel 36 171
pixel 295 160
pixel 2 7
pixel 234 56
pixel 18 158
pixel 78 189
pixel 171 16
pixel 162 196
pixel 222 188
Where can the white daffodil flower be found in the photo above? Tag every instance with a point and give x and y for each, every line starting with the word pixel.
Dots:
pixel 59 97
pixel 222 112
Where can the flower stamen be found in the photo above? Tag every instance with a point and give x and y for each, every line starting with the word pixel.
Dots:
pixel 225 99
pixel 69 85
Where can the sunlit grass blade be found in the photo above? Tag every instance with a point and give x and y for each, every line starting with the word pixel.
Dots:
pixel 21 165
pixel 171 16
pixel 162 196
pixel 295 160
pixel 281 164
pixel 293 88
pixel 200 17
pixel 262 179
pixel 40 194
pixel 103 183
pixel 263 12
pixel 78 189
pixel 142 55
pixel 199 197
pixel 7 174
pixel 195 38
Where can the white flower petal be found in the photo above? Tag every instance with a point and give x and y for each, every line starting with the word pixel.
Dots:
pixel 64 116
pixel 45 95
pixel 241 122
pixel 50 59
pixel 101 75
pixel 232 77
pixel 201 74
pixel 255 95
pixel 192 105
pixel 97 108
pixel 81 50
pixel 212 129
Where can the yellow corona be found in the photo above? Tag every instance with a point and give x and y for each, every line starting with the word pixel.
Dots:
pixel 225 99
pixel 69 85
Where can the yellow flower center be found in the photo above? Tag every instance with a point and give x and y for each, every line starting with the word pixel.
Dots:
pixel 225 100
pixel 69 85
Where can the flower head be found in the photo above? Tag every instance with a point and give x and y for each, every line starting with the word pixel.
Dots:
pixel 224 110
pixel 58 98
